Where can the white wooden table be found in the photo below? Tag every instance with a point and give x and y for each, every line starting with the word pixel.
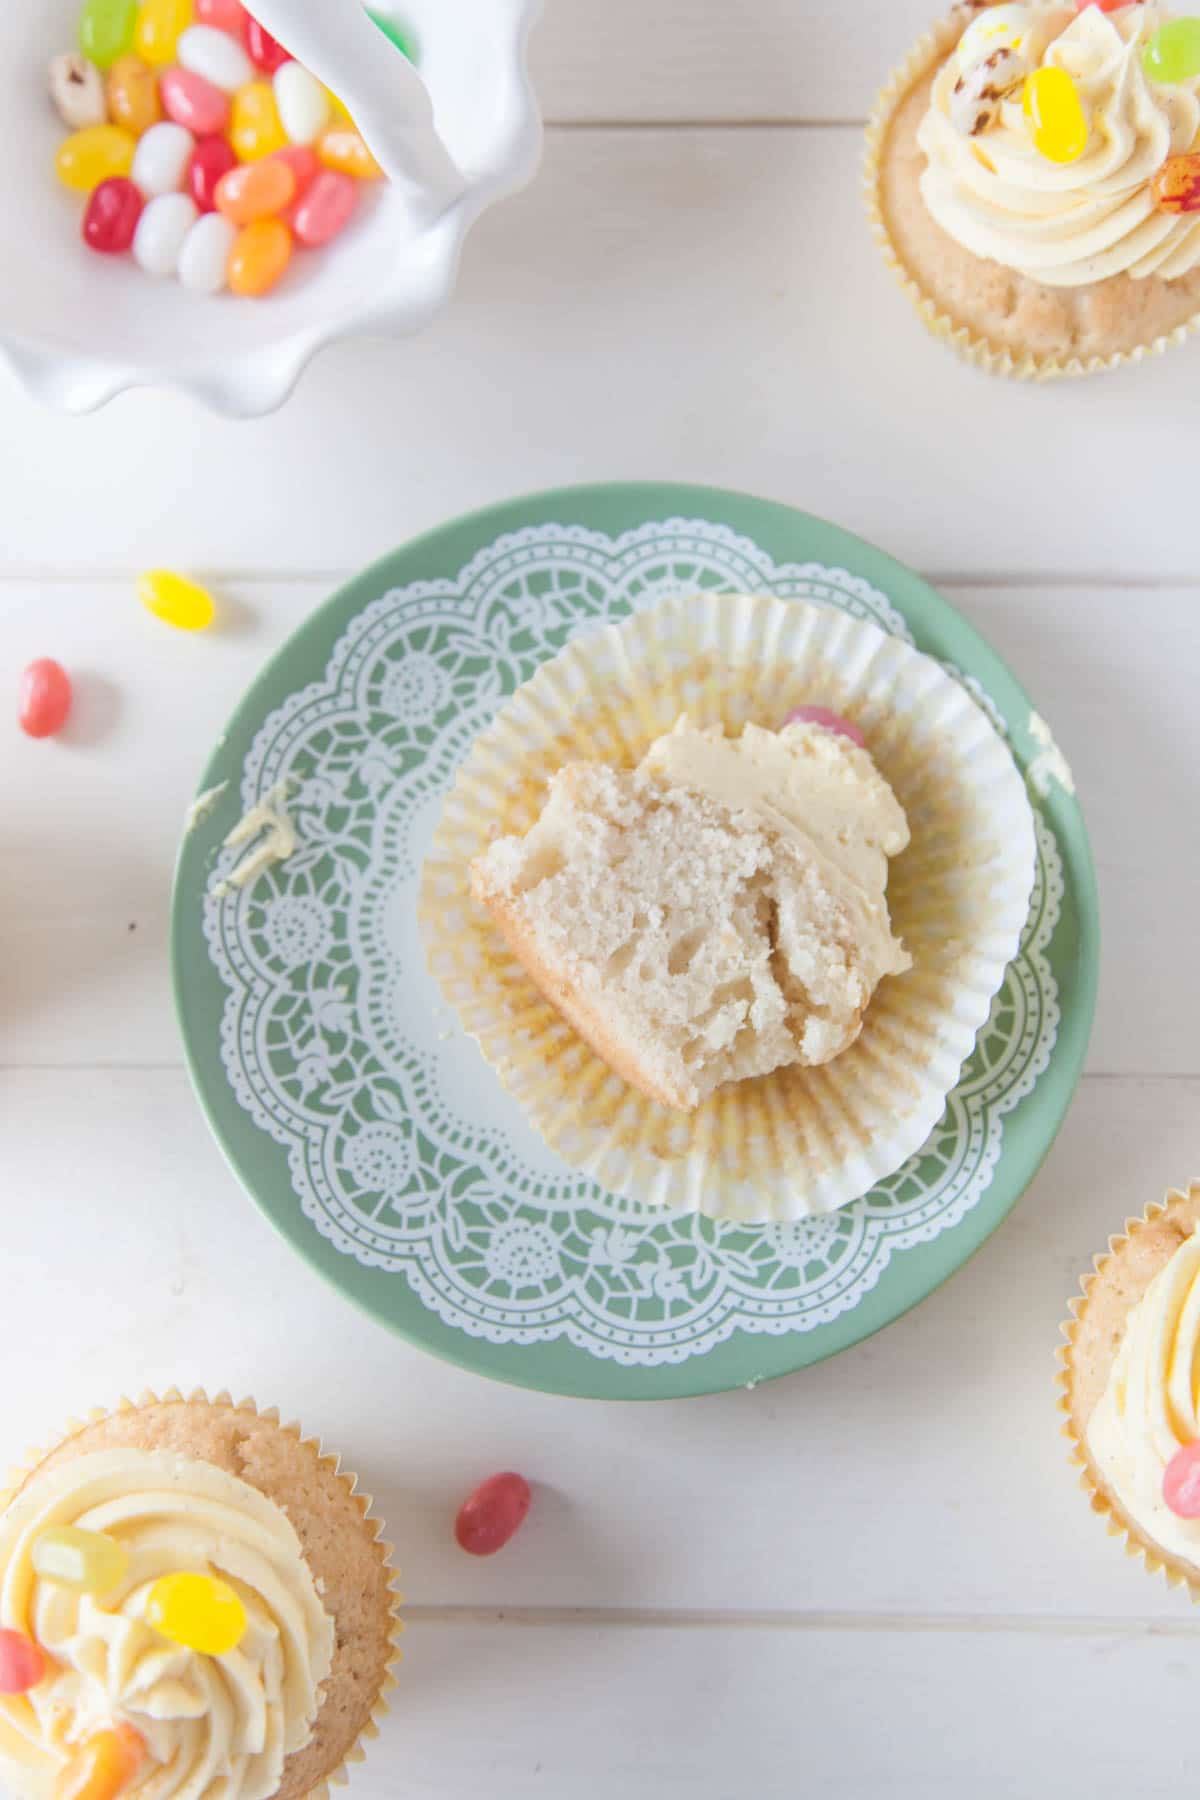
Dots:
pixel 874 1578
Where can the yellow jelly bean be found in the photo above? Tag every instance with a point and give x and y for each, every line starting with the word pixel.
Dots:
pixel 91 1562
pixel 339 109
pixel 255 129
pixel 260 255
pixel 132 93
pixel 160 25
pixel 1055 111
pixel 104 1763
pixel 343 149
pixel 93 155
pixel 176 600
pixel 198 1611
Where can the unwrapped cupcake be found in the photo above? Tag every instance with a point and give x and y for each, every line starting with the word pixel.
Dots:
pixel 1033 176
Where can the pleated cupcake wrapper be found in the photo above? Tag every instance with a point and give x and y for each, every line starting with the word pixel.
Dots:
pixel 329 1460
pixel 1117 1523
pixel 799 1141
pixel 1026 365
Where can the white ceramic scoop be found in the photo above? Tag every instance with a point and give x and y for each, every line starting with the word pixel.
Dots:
pixel 384 93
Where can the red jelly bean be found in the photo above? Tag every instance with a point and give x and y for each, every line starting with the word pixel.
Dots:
pixel 325 208
pixel 266 51
pixel 223 15
pixel 22 1664
pixel 193 102
pixel 1104 5
pixel 113 210
pixel 824 715
pixel 492 1514
pixel 212 158
pixel 45 698
pixel 1181 1482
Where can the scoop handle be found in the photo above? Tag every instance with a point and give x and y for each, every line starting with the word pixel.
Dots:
pixel 343 48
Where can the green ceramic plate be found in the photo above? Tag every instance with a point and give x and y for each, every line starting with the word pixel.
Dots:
pixel 369 1129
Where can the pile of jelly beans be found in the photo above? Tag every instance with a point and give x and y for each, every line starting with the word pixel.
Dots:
pixel 203 148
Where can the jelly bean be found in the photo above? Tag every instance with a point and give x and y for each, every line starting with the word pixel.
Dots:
pixel 104 1763
pixel 256 130
pixel 89 157
pixel 302 103
pixel 160 25
pixel 1104 5
pixel 45 698
pixel 267 51
pixel 217 56
pixel 224 15
pixel 339 109
pixel 176 600
pixel 302 162
pixel 77 90
pixel 91 1562
pixel 200 1612
pixel 1181 1482
pixel 1055 111
pixel 132 92
pixel 161 160
pixel 343 149
pixel 211 158
pixel 829 720
pixel 392 31
pixel 256 190
pixel 1173 52
pixel 194 102
pixel 259 257
pixel 113 211
pixel 22 1664
pixel 204 259
pixel 106 29
pixel 1176 186
pixel 161 230
pixel 492 1514
pixel 323 211
pixel 997 28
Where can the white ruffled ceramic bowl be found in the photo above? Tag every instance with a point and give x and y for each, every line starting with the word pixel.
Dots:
pixel 78 328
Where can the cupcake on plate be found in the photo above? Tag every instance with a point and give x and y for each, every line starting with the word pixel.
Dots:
pixel 194 1601
pixel 1033 175
pixel 1128 1387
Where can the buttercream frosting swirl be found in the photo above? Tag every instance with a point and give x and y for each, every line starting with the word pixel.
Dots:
pixel 1068 224
pixel 1151 1406
pixel 215 1727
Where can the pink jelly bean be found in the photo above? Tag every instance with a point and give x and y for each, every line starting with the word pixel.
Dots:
pixel 265 50
pixel 303 163
pixel 45 698
pixel 113 210
pixel 492 1514
pixel 22 1664
pixel 212 158
pixel 193 102
pixel 325 208
pixel 831 721
pixel 223 15
pixel 1181 1482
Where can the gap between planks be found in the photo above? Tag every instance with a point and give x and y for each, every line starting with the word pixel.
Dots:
pixel 928 1624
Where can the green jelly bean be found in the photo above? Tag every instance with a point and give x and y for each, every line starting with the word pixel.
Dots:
pixel 403 42
pixel 106 30
pixel 1173 53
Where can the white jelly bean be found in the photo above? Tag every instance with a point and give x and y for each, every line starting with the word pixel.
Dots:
pixel 216 56
pixel 205 254
pixel 302 102
pixel 161 231
pixel 161 159
pixel 77 90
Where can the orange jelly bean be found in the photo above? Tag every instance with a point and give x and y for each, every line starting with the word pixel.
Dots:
pixel 255 190
pixel 344 149
pixel 260 255
pixel 103 1764
pixel 1176 186
pixel 132 94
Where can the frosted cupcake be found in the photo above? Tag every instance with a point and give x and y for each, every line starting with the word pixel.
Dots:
pixel 194 1602
pixel 1128 1387
pixel 1033 174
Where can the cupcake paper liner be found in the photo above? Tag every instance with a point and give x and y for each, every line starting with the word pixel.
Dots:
pixel 799 1141
pixel 1116 1521
pixel 1027 365
pixel 28 1466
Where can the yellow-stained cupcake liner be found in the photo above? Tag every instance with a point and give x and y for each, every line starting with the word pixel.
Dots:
pixel 1029 365
pixel 799 1141
pixel 1116 1520
pixel 27 1467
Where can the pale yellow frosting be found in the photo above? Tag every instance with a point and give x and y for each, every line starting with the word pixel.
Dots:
pixel 1066 224
pixel 1151 1406
pixel 215 1727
